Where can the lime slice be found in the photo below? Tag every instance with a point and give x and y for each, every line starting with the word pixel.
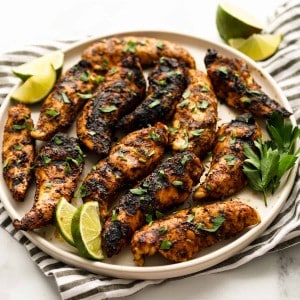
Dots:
pixel 257 46
pixel 86 230
pixel 35 67
pixel 37 87
pixel 64 213
pixel 233 22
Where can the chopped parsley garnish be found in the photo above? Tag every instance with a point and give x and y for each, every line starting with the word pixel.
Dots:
pixel 165 245
pixel 138 191
pixel 154 103
pixel 177 183
pixel 131 47
pixel 197 132
pixel 65 98
pixel 85 96
pixel 108 109
pixel 217 223
pixel 52 113
pixel 203 105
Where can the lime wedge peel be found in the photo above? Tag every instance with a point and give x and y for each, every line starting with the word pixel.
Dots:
pixel 64 213
pixel 258 46
pixel 36 87
pixel 35 66
pixel 86 231
pixel 234 22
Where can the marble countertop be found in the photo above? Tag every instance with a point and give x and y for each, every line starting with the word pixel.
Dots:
pixel 274 276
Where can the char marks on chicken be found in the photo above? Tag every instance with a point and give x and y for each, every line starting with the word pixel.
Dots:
pixel 167 81
pixel 60 108
pixel 194 122
pixel 58 166
pixel 18 151
pixel 122 89
pixel 181 235
pixel 132 158
pixel 225 176
pixel 166 187
pixel 235 85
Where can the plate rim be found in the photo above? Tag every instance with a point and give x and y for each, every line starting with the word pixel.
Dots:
pixel 170 270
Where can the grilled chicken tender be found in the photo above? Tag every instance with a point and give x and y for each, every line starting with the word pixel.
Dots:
pixel 57 169
pixel 167 82
pixel 179 236
pixel 107 52
pixel 60 108
pixel 132 158
pixel 122 89
pixel 225 176
pixel 167 186
pixel 194 123
pixel 235 85
pixel 18 151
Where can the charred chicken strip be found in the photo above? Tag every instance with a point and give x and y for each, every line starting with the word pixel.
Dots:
pixel 167 186
pixel 167 82
pixel 60 108
pixel 18 151
pixel 132 158
pixel 57 169
pixel 235 85
pixel 179 236
pixel 225 176
pixel 194 123
pixel 122 89
pixel 107 52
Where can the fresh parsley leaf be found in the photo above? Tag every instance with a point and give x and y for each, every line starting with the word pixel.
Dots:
pixel 265 165
pixel 217 223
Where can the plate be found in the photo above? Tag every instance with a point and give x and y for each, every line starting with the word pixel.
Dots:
pixel 122 265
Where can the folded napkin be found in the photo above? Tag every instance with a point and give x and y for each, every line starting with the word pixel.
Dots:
pixel 74 283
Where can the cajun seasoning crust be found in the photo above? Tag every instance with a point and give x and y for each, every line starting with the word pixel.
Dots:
pixel 166 187
pixel 235 85
pixel 167 81
pixel 60 108
pixel 194 122
pixel 57 169
pixel 122 89
pixel 18 151
pixel 132 158
pixel 225 176
pixel 179 236
pixel 107 52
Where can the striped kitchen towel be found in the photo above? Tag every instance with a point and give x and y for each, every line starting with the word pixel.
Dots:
pixel 74 283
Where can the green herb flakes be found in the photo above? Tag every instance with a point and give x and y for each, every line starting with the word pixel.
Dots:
pixel 165 245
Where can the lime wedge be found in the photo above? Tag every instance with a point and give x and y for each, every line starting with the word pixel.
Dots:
pixel 64 213
pixel 36 66
pixel 233 22
pixel 36 87
pixel 86 230
pixel 257 46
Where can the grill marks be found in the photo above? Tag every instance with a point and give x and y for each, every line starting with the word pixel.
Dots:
pixel 166 187
pixel 167 82
pixel 122 89
pixel 225 176
pixel 58 166
pixel 132 158
pixel 234 84
pixel 60 108
pixel 18 151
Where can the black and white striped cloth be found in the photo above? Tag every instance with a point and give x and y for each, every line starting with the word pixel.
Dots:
pixel 74 283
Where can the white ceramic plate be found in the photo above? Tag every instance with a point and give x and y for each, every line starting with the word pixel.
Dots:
pixel 156 267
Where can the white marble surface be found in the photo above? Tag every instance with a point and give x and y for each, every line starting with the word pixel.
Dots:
pixel 274 276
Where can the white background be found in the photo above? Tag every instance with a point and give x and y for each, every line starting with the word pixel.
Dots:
pixel 273 276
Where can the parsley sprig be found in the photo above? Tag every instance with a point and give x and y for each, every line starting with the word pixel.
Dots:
pixel 271 159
